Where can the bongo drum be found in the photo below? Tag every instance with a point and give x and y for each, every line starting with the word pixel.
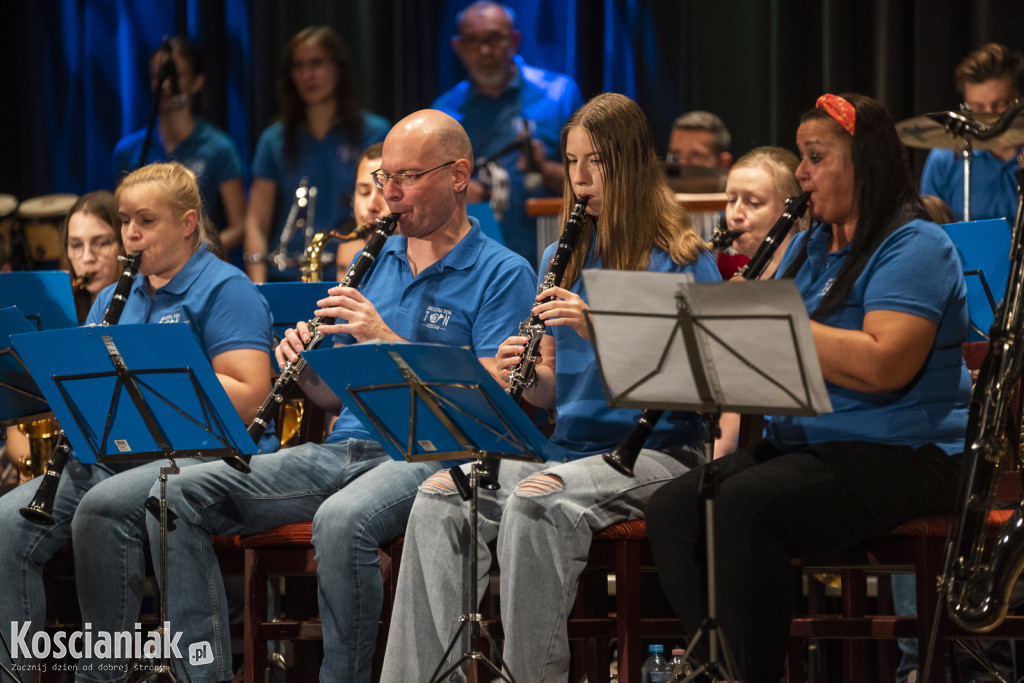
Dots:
pixel 40 220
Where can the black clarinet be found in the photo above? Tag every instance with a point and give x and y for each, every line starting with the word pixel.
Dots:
pixel 40 509
pixel 523 375
pixel 291 371
pixel 623 458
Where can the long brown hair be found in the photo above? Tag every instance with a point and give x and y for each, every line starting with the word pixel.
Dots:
pixel 639 211
pixel 293 108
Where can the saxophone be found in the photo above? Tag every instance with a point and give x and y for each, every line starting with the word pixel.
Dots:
pixel 978 592
pixel 291 371
pixel 524 374
pixel 40 509
pixel 315 258
pixel 624 456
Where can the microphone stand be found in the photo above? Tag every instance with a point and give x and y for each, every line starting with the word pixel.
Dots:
pixel 166 71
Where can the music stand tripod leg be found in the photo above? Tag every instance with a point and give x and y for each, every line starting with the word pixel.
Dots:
pixel 163 670
pixel 472 619
pixel 720 662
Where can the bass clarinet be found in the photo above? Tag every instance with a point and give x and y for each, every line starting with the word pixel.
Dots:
pixel 291 371
pixel 978 592
pixel 40 509
pixel 523 375
pixel 623 458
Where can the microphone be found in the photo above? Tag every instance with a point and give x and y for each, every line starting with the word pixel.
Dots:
pixel 533 178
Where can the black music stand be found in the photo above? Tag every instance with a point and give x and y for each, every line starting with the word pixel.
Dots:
pixel 160 399
pixel 712 347
pixel 425 402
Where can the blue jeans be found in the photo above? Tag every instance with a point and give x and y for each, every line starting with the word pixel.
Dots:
pixel 283 488
pixel 543 527
pixel 904 599
pixel 103 512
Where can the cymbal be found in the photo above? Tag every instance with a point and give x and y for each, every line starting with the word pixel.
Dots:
pixel 925 133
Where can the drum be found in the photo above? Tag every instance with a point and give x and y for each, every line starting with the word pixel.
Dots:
pixel 40 220
pixel 8 205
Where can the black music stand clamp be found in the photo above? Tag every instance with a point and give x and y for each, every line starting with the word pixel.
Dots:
pixel 711 347
pixel 425 402
pixel 153 412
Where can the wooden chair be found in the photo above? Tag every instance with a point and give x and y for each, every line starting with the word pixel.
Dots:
pixel 917 547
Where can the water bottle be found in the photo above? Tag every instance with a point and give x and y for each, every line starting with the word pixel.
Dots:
pixel 656 669
pixel 680 667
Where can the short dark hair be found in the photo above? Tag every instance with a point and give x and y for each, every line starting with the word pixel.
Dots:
pixel 705 120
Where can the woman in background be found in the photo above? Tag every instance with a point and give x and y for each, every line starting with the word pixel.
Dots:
pixel 319 137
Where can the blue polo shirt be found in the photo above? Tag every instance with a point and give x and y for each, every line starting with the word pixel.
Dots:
pixel 475 296
pixel 328 163
pixel 585 424
pixel 547 99
pixel 993 186
pixel 915 270
pixel 208 152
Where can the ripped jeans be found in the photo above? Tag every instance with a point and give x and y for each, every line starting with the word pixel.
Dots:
pixel 543 517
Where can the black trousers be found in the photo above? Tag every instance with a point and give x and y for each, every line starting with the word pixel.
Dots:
pixel 772 507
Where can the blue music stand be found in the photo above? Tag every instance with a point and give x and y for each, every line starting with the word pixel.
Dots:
pixel 291 303
pixel 429 402
pixel 42 296
pixel 128 393
pixel 20 398
pixel 984 248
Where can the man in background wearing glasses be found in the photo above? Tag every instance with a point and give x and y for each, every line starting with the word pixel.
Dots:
pixel 437 280
pixel 505 101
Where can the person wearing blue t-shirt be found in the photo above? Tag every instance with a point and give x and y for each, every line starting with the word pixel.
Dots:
pixel 318 139
pixel 182 135
pixel 99 507
pixel 544 514
pixel 887 301
pixel 990 80
pixel 357 497
pixel 503 100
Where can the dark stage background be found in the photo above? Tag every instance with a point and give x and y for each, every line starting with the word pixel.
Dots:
pixel 75 77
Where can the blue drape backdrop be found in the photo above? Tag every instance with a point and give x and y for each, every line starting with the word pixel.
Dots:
pixel 75 71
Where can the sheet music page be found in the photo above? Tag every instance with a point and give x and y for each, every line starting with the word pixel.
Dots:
pixel 753 343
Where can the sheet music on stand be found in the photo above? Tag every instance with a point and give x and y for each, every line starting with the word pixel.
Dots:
pixel 664 341
pixel 127 393
pixel 20 397
pixel 42 296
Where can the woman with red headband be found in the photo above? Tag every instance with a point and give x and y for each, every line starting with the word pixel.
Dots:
pixel 886 296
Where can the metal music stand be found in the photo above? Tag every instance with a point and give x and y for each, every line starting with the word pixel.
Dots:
pixel 132 393
pixel 983 247
pixel 20 397
pixel 741 347
pixel 42 296
pixel 288 300
pixel 424 402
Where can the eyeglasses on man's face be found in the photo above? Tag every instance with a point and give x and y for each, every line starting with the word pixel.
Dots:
pixel 404 181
